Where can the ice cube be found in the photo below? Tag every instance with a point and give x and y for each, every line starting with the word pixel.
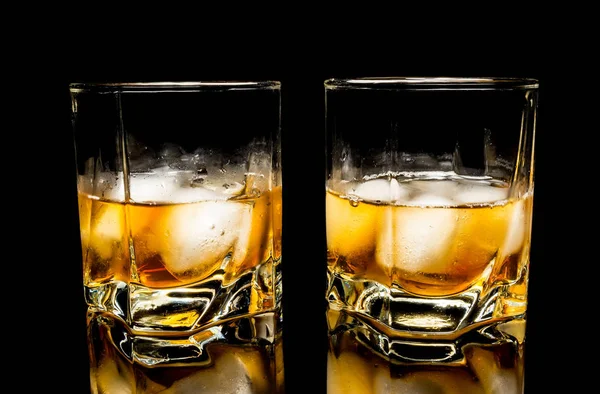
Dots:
pixel 516 229
pixel 179 187
pixel 442 188
pixel 157 186
pixel 381 190
pixel 195 194
pixel 349 219
pixel 346 220
pixel 430 200
pixel 232 188
pixel 348 374
pixel 85 219
pixel 143 187
pixel 109 186
pixel 163 185
pixel 417 239
pixel 107 228
pixel 258 174
pixel 251 246
pixel 474 194
pixel 85 184
pixel 110 222
pixel 232 373
pixel 195 239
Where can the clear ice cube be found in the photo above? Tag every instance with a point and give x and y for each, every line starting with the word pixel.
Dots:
pixel 347 220
pixel 417 239
pixel 105 185
pixel 106 229
pixel 516 230
pixel 430 200
pixel 171 187
pixel 163 185
pixel 232 373
pixel 153 187
pixel 258 172
pixel 474 194
pixel 381 190
pixel 442 188
pixel 195 239
pixel 182 195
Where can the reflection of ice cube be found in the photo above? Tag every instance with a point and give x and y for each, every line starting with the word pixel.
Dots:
pixel 197 237
pixel 384 384
pixel 417 239
pixel 381 190
pixel 492 377
pixel 348 374
pixel 428 382
pixel 473 194
pixel 113 376
pixel 229 375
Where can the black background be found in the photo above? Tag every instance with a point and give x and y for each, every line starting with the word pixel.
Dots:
pixel 301 63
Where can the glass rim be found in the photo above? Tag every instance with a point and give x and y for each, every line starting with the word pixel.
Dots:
pixel 172 86
pixel 432 83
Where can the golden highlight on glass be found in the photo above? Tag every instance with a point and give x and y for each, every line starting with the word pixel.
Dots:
pixel 429 198
pixel 179 189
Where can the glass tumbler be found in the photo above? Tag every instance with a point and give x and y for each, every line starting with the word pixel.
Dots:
pixel 429 198
pixel 179 191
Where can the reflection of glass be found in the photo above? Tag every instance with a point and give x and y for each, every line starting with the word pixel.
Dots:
pixel 428 204
pixel 180 211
